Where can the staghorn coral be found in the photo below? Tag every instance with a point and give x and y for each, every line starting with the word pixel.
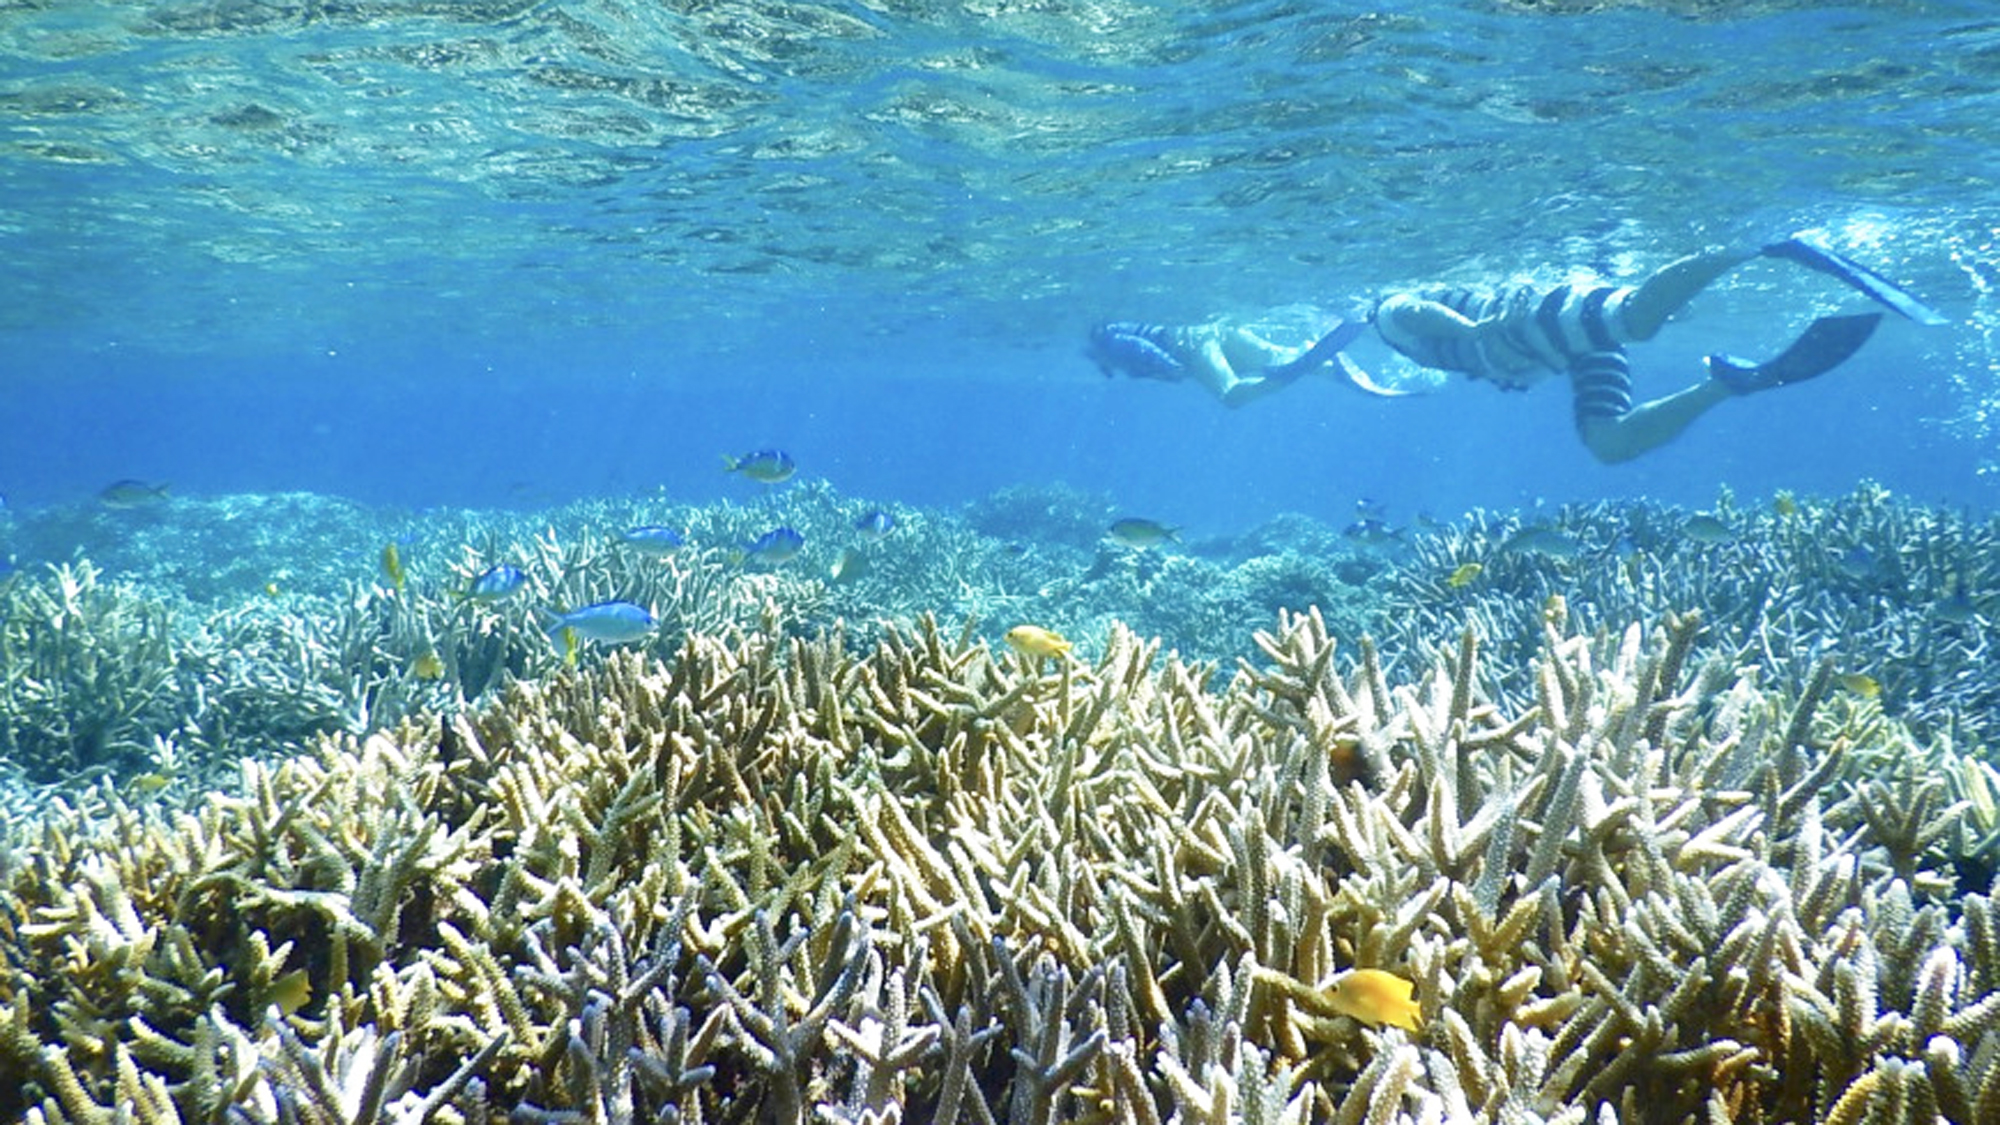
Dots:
pixel 1905 589
pixel 86 674
pixel 777 880
pixel 114 679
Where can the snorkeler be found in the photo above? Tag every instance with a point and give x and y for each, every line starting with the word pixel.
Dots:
pixel 1518 335
pixel 1234 363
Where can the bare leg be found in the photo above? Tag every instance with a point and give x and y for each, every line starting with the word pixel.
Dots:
pixel 1649 425
pixel 1210 366
pixel 1672 287
pixel 1222 361
pixel 1248 351
pixel 1246 391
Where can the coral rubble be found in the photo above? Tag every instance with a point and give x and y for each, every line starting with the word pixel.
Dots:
pixel 777 879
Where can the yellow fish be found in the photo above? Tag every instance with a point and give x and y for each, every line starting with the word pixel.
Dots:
pixel 428 665
pixel 1785 504
pixel 146 784
pixel 291 991
pixel 1375 997
pixel 1462 577
pixel 1861 684
pixel 1031 640
pixel 392 565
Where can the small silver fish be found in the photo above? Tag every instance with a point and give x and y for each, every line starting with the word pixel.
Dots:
pixel 122 494
pixel 653 540
pixel 1705 528
pixel 774 546
pixel 612 622
pixel 496 583
pixel 1542 540
pixel 1141 533
pixel 766 466
pixel 851 566
pixel 875 525
pixel 1372 532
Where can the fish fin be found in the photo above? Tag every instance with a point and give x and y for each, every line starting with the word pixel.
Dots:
pixel 552 625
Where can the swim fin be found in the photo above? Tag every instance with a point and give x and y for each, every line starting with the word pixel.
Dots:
pixel 1806 249
pixel 1824 345
pixel 1361 381
pixel 1323 351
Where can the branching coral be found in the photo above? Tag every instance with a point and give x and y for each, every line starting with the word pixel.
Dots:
pixel 86 674
pixel 1906 591
pixel 776 879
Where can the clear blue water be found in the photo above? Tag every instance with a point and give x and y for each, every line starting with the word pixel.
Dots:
pixel 509 253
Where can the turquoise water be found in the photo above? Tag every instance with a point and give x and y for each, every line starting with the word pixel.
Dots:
pixel 506 253
pixel 322 321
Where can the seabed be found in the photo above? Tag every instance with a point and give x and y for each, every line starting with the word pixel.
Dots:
pixel 1663 816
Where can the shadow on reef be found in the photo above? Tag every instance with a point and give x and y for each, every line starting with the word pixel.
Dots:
pixel 781 879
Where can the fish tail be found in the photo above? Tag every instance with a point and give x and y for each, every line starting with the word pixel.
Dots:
pixel 553 626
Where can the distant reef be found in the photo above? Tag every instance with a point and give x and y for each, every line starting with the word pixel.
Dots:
pixel 1653 815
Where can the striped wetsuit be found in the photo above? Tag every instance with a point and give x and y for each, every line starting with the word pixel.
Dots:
pixel 1571 329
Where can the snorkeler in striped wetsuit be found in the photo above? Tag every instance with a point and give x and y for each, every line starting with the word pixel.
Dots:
pixel 1516 336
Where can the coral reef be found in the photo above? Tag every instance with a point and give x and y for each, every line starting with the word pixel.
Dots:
pixel 197 632
pixel 289 630
pixel 129 679
pixel 779 879
pixel 1905 591
pixel 86 673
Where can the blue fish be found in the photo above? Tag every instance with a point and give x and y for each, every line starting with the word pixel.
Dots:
pixel 774 546
pixel 496 583
pixel 653 540
pixel 875 525
pixel 1134 349
pixel 613 622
